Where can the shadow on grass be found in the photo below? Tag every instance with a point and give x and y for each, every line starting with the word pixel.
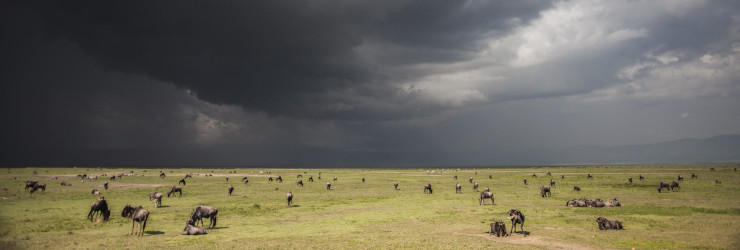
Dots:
pixel 153 232
pixel 295 205
pixel 219 227
pixel 163 206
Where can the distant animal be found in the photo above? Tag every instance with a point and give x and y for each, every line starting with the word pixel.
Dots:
pixel 300 176
pixel 663 185
pixel 174 189
pixel 534 175
pixel 328 185
pixel 711 169
pixel 162 175
pixel 490 176
pixel 486 189
pixel 576 188
pixel 105 185
pixel 112 178
pixel 289 196
pixel 516 217
pixel 674 185
pixel 552 182
pixel 193 230
pixel 136 214
pixel 590 176
pixel 642 178
pixel 95 192
pixel 156 197
pixel 188 176
pixel 300 183
pixel 395 185
pixel 99 208
pixel 30 184
pixel 428 188
pixel 475 186
pixel 606 224
pixel 64 183
pixel 544 191
pixel 455 177
pixel 246 180
pixel 717 181
pixel 38 186
pixel 471 180
pixel 201 212
pixel 525 181
pixel 310 179
pixel 694 176
pixel 680 178
pixel 548 174
pixel 269 179
pixel 363 179
pixel 231 189
pixel 498 228
pixel 562 176
pixel 485 195
pixel 335 178
pixel 458 189
pixel 182 181
pixel 279 179
pixel 227 179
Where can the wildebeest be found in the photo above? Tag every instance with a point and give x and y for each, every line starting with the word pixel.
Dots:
pixel 289 197
pixel 516 216
pixel 458 189
pixel 335 178
pixel 201 212
pixel 64 183
pixel 675 185
pixel 544 191
pixel 428 187
pixel 328 185
pixel 95 192
pixel 182 181
pixel 299 176
pixel 231 189
pixel 113 178
pixel 193 230
pixel 363 179
pixel 590 176
pixel 717 181
pixel 485 195
pixel 548 174
pixel 680 178
pixel 552 182
pixel 300 183
pixel 711 169
pixel 605 224
pixel 663 185
pixel 162 175
pixel 525 181
pixel 490 176
pixel 498 228
pixel 279 179
pixel 136 214
pixel 471 179
pixel 156 197
pixel 173 190
pixel 227 179
pixel 30 184
pixel 562 176
pixel 310 179
pixel 694 176
pixel 246 180
pixel 99 208
pixel 534 175
pixel 475 186
pixel 455 177
pixel 188 176
pixel 642 178
pixel 629 179
pixel 38 186
pixel 576 188
pixel 395 185
pixel 269 179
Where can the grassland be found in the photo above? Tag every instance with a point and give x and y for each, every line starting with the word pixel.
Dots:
pixel 374 215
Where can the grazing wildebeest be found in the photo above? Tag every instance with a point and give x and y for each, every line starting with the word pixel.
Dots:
pixel 162 175
pixel 193 230
pixel 156 197
pixel 455 177
pixel 642 178
pixel 534 175
pixel 428 187
pixel 548 174
pixel 395 185
pixel 486 189
pixel 544 191
pixel 516 216
pixel 310 179
pixel 485 195
pixel 300 183
pixel 279 179
pixel 498 228
pixel 458 189
pixel 335 178
pixel 269 179
pixel 662 185
pixel 99 208
pixel 717 181
pixel 113 178
pixel 680 178
pixel 289 196
pixel 475 186
pixel 490 176
pixel 227 179
pixel 136 214
pixel 675 185
pixel 552 182
pixel 590 176
pixel 525 181
pixel 363 179
pixel 64 183
pixel 562 176
pixel 36 186
pixel 173 190
pixel 711 169
pixel 319 177
pixel 471 179
pixel 576 188
pixel 188 176
pixel 605 224
pixel 694 176
pixel 246 180
pixel 328 185
pixel 95 192
pixel 613 203
pixel 300 176
pixel 231 189
pixel 182 181
pixel 30 184
pixel 201 212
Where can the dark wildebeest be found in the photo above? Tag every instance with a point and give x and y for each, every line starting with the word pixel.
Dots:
pixel 552 182
pixel 605 224
pixel 485 195
pixel 590 176
pixel 231 189
pixel 458 189
pixel 428 187
pixel 201 212
pixel 395 185
pixel 188 176
pixel 629 179
pixel 490 176
pixel 300 183
pixel 279 179
pixel 299 176
pixel 694 176
pixel 136 214
pixel 486 189
pixel 544 191
pixel 335 178
pixel 663 185
pixel 717 181
pixel 680 178
pixel 156 197
pixel 455 177
pixel 173 190
pixel 99 208
pixel 675 185
pixel 36 186
pixel 105 185
pixel 711 169
pixel 30 184
pixel 319 177
pixel 113 178
pixel 475 186
pixel 64 183
pixel 576 188
pixel 363 179
pixel 162 175
pixel 289 196
pixel 193 230
pixel 525 181
pixel 95 192
pixel 642 178
pixel 328 185
pixel 498 228
pixel 246 180
pixel 534 175
pixel 227 179
pixel 310 179
pixel 562 176
pixel 548 174
pixel 471 179
pixel 269 179
pixel 516 216
pixel 182 181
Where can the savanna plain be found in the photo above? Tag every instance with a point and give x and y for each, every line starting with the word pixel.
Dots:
pixel 353 214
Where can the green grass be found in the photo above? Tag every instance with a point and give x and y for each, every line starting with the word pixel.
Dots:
pixel 373 214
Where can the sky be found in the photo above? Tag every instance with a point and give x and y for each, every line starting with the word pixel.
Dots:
pixel 401 77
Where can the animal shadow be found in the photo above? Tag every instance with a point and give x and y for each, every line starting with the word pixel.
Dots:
pixel 154 232
pixel 163 206
pixel 219 227
pixel 295 205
